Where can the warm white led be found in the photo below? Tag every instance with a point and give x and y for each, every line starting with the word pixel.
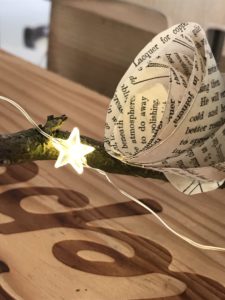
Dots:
pixel 72 151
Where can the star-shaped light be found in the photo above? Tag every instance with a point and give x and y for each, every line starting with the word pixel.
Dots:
pixel 72 151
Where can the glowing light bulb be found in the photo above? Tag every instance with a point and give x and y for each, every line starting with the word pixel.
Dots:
pixel 72 151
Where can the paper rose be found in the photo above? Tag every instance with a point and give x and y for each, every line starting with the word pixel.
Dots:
pixel 168 111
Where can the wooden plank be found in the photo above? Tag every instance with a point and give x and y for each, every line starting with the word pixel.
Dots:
pixel 177 11
pixel 94 42
pixel 200 14
pixel 64 236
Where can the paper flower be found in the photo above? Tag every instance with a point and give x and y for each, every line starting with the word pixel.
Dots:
pixel 168 111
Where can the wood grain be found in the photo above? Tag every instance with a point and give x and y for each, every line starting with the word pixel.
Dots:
pixel 177 11
pixel 64 236
pixel 93 41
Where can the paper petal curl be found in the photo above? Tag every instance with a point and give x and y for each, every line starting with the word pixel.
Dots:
pixel 168 111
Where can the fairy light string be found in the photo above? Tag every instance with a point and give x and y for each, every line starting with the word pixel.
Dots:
pixel 73 152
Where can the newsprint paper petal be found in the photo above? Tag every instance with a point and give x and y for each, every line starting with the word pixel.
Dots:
pixel 168 111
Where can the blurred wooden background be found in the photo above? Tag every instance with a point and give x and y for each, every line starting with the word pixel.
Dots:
pixel 93 42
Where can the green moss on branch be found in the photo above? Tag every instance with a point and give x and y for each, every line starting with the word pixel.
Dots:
pixel 30 145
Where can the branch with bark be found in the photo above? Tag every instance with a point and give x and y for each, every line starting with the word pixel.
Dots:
pixel 30 145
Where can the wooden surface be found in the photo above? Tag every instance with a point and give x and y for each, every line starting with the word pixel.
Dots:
pixel 208 13
pixel 94 41
pixel 64 236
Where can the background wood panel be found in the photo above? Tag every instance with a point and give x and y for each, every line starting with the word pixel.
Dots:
pixel 93 42
pixel 177 11
pixel 47 216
